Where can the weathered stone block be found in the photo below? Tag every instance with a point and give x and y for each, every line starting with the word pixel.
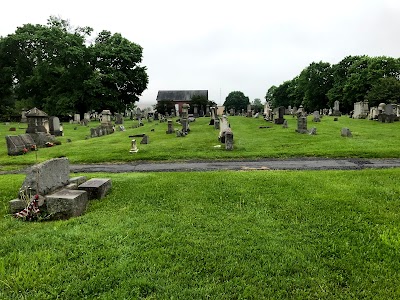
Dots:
pixel 97 188
pixel 52 175
pixel 346 132
pixel 66 203
pixel 72 186
pixel 16 205
pixel 78 180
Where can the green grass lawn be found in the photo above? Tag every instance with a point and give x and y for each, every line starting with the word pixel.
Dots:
pixel 276 235
pixel 370 139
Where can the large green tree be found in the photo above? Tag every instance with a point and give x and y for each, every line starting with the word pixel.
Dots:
pixel 236 100
pixel 51 67
pixel 117 78
pixel 386 90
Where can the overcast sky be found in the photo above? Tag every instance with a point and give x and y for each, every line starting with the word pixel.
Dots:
pixel 224 46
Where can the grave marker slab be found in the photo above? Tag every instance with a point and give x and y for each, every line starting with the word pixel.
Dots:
pixel 97 188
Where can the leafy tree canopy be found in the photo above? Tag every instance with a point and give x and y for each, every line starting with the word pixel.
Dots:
pixel 236 100
pixel 51 67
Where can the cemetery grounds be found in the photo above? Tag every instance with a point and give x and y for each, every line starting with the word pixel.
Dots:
pixel 220 235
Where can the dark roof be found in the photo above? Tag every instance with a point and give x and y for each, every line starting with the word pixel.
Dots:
pixel 35 112
pixel 182 95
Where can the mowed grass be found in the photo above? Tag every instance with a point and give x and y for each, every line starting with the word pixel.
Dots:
pixel 216 235
pixel 370 139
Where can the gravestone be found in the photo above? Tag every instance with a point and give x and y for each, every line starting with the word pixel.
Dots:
pixel 86 116
pixel 313 131
pixel 145 140
pixel 249 114
pixel 345 132
pixel 302 125
pixel 134 148
pixel 77 118
pixel 185 125
pixel 170 129
pixel 336 111
pixel 316 116
pixel 195 110
pixel 119 119
pixel 279 114
pixel 121 128
pixel 228 139
pixel 28 140
pixel 36 119
pixel 106 117
pixel 15 145
pixel 23 117
pixel 285 124
pixel 66 204
pixel 54 126
pixel 47 176
pixel 360 110
pixel 96 188
pixel 216 123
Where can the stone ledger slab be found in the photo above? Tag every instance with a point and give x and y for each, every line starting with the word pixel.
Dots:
pixel 66 203
pixel 97 188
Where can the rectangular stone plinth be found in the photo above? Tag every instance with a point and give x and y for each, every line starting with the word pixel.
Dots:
pixel 16 205
pixel 78 180
pixel 66 203
pixel 97 188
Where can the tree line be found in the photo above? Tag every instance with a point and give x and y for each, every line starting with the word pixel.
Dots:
pixel 353 79
pixel 58 69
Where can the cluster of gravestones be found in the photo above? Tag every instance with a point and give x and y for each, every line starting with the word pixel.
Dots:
pixel 385 113
pixel 41 132
pixel 59 196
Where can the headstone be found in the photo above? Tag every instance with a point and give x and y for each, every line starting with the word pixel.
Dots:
pixel 27 140
pixel 119 119
pixel 106 117
pixel 207 110
pixel 96 188
pixel 145 140
pixel 336 111
pixel 47 176
pixel 86 116
pixel 345 132
pixel 23 117
pixel 216 123
pixel 195 110
pixel 170 129
pixel 249 114
pixel 54 126
pixel 134 148
pixel 302 125
pixel 316 116
pixel 360 110
pixel 220 110
pixel 279 114
pixel 228 139
pixel 121 128
pixel 77 119
pixel 285 124
pixel 185 125
pixel 36 119
pixel 15 145
pixel 313 131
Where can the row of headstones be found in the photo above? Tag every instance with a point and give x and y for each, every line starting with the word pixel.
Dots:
pixel 302 126
pixel 385 113
pixel 59 196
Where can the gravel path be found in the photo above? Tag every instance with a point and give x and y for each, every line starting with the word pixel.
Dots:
pixel 266 164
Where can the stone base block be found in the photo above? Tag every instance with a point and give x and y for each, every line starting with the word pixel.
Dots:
pixel 65 204
pixel 97 188
pixel 16 205
pixel 78 180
